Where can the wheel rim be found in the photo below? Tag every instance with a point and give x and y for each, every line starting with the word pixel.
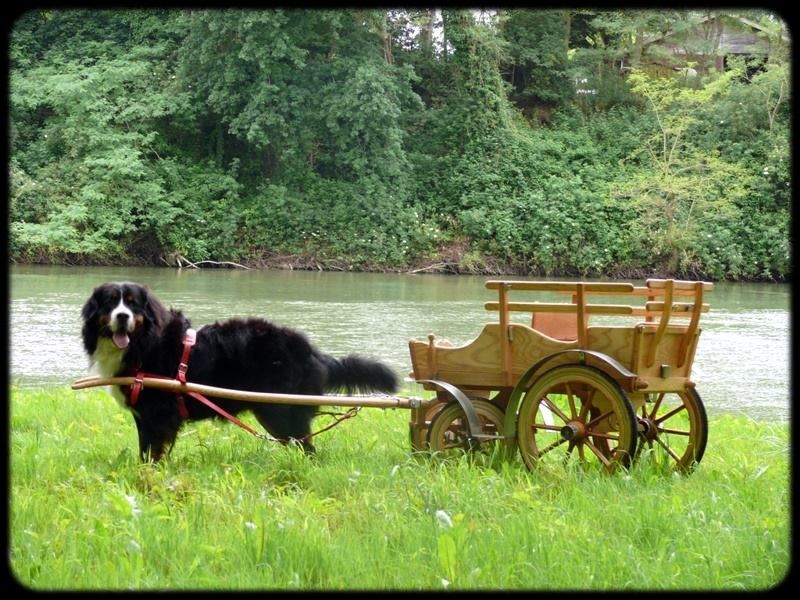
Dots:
pixel 673 429
pixel 576 414
pixel 448 433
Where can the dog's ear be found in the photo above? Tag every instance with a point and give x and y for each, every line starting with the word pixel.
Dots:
pixel 153 309
pixel 89 310
pixel 88 314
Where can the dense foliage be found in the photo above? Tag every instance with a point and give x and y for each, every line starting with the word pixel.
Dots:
pixel 511 141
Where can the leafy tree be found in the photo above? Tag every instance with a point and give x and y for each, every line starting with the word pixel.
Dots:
pixel 537 65
pixel 90 154
pixel 381 139
pixel 679 184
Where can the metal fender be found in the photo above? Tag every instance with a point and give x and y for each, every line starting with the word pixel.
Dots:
pixel 473 422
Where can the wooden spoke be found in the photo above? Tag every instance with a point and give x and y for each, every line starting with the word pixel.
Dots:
pixel 675 432
pixel 552 406
pixel 586 406
pixel 546 427
pixel 573 412
pixel 598 453
pixel 552 446
pixel 669 450
pixel 655 408
pixel 596 420
pixel 671 413
pixel 582 453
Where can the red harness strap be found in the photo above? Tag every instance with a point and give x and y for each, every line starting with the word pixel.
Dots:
pixel 189 340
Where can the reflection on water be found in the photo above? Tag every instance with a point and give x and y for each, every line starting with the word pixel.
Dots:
pixel 741 365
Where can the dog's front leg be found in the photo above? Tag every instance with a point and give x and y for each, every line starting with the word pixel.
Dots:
pixel 155 439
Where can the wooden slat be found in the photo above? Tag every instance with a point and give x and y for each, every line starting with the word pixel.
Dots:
pixel 677 307
pixel 652 286
pixel 637 291
pixel 593 309
pixel 560 286
pixel 583 316
pixel 641 312
pixel 505 338
pixel 658 284
pixel 699 289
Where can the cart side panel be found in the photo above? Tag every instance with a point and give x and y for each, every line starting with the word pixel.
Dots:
pixel 614 341
pixel 529 346
pixel 665 363
pixel 479 363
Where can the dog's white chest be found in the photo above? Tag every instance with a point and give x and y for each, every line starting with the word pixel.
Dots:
pixel 106 362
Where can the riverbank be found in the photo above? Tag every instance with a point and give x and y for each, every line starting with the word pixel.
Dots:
pixel 450 261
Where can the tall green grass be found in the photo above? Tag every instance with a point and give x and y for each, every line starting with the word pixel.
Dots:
pixel 228 511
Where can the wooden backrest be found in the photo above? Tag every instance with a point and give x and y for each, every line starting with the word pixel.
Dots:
pixel 665 299
pixel 560 326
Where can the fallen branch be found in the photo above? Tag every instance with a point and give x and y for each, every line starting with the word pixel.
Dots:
pixel 182 259
pixel 224 262
pixel 435 267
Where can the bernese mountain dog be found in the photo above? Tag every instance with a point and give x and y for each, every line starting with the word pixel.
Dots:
pixel 127 329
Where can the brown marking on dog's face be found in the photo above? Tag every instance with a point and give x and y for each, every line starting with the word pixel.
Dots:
pixel 104 320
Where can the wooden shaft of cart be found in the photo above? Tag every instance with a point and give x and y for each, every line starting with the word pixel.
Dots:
pixel 173 385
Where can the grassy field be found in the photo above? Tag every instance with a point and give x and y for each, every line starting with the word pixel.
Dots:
pixel 228 511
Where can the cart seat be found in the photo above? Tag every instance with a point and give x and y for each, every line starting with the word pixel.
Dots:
pixel 559 326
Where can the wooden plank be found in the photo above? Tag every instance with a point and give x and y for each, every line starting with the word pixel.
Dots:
pixel 505 335
pixel 554 307
pixel 559 286
pixel 697 309
pixel 650 314
pixel 677 307
pixel 659 284
pixel 662 324
pixel 580 303
pixel 637 291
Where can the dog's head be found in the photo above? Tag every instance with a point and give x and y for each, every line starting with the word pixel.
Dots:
pixel 120 312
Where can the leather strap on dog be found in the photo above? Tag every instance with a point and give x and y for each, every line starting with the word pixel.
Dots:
pixel 222 413
pixel 137 386
pixel 189 338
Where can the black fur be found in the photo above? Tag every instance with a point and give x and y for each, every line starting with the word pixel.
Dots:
pixel 247 354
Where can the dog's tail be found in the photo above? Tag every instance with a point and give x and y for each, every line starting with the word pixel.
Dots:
pixel 358 375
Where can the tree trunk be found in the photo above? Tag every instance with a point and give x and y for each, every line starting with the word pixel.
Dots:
pixel 426 30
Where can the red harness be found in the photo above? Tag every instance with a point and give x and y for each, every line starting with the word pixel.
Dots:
pixel 189 340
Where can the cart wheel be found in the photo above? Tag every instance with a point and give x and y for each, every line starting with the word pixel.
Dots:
pixel 676 423
pixel 448 433
pixel 576 414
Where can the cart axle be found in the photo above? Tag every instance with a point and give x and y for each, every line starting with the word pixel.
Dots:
pixel 574 430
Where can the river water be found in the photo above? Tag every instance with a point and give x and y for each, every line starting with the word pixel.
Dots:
pixel 741 365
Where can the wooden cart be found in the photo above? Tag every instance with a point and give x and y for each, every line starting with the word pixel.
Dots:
pixel 559 389
pixel 564 387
